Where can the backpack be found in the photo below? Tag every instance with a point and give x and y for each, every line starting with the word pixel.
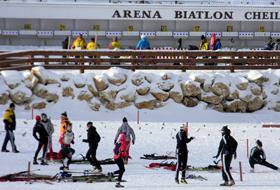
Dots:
pixel 117 149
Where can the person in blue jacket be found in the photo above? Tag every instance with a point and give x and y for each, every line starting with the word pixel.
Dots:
pixel 218 44
pixel 143 43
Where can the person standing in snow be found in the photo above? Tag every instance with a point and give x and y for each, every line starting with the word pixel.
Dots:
pixel 42 140
pixel 227 149
pixel 46 122
pixel 182 153
pixel 67 151
pixel 9 119
pixel 128 131
pixel 93 139
pixel 119 156
pixel 63 124
pixel 257 156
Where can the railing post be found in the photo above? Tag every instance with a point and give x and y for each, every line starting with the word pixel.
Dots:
pixel 46 61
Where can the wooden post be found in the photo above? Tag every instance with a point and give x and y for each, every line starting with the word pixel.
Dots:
pixel 28 171
pixel 247 148
pixel 187 129
pixel 138 117
pixel 32 113
pixel 240 171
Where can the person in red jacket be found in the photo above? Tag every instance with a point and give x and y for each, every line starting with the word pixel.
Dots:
pixel 120 154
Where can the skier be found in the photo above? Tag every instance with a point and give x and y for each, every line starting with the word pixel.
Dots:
pixel 42 140
pixel 257 156
pixel 46 122
pixel 128 131
pixel 227 149
pixel 63 123
pixel 93 139
pixel 182 153
pixel 119 156
pixel 9 119
pixel 67 151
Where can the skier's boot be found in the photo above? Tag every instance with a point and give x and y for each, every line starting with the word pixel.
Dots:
pixel 118 185
pixel 44 163
pixel 224 184
pixel 183 180
pixel 35 162
pixel 231 183
pixel 177 180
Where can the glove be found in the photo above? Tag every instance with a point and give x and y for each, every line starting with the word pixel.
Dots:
pixel 84 140
pixel 192 138
pixel 133 142
pixel 234 156
pixel 115 141
pixel 215 157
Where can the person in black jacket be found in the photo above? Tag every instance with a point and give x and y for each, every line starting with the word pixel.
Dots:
pixel 182 153
pixel 257 156
pixel 227 149
pixel 93 139
pixel 42 140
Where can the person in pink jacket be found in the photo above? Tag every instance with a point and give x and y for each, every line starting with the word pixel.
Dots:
pixel 120 154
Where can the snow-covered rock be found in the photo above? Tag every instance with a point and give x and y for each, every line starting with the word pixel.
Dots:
pixel 165 85
pixel 85 95
pixel 117 76
pixel 235 106
pixel 80 81
pixel 191 88
pixel 144 88
pixel 48 92
pixel 147 102
pixel 138 78
pixel 12 78
pixel 101 82
pixel 211 98
pixel 39 105
pixel 45 76
pixel 30 80
pixel 159 94
pixel 67 91
pixel 176 93
pixel 4 91
pixel 190 102
pixel 21 94
pixel 255 104
pixel 94 104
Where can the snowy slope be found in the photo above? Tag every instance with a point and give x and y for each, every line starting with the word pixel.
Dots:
pixel 151 138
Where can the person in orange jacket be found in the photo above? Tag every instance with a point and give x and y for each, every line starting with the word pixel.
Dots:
pixel 120 154
pixel 63 124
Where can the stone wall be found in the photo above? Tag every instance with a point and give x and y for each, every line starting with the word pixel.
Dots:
pixel 118 88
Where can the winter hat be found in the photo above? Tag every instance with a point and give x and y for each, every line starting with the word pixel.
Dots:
pixel 259 143
pixel 124 119
pixel 43 115
pixel 38 118
pixel 12 105
pixel 89 123
pixel 64 114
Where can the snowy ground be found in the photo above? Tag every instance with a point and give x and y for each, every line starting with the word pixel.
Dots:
pixel 152 138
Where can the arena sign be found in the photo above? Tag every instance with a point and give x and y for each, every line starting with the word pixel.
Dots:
pixel 219 15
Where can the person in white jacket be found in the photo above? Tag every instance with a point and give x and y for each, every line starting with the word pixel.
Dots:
pixel 129 133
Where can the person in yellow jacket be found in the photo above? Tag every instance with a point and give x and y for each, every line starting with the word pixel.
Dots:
pixel 92 44
pixel 115 44
pixel 79 43
pixel 9 119
pixel 204 45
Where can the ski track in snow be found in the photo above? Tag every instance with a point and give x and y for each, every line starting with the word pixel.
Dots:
pixel 150 138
